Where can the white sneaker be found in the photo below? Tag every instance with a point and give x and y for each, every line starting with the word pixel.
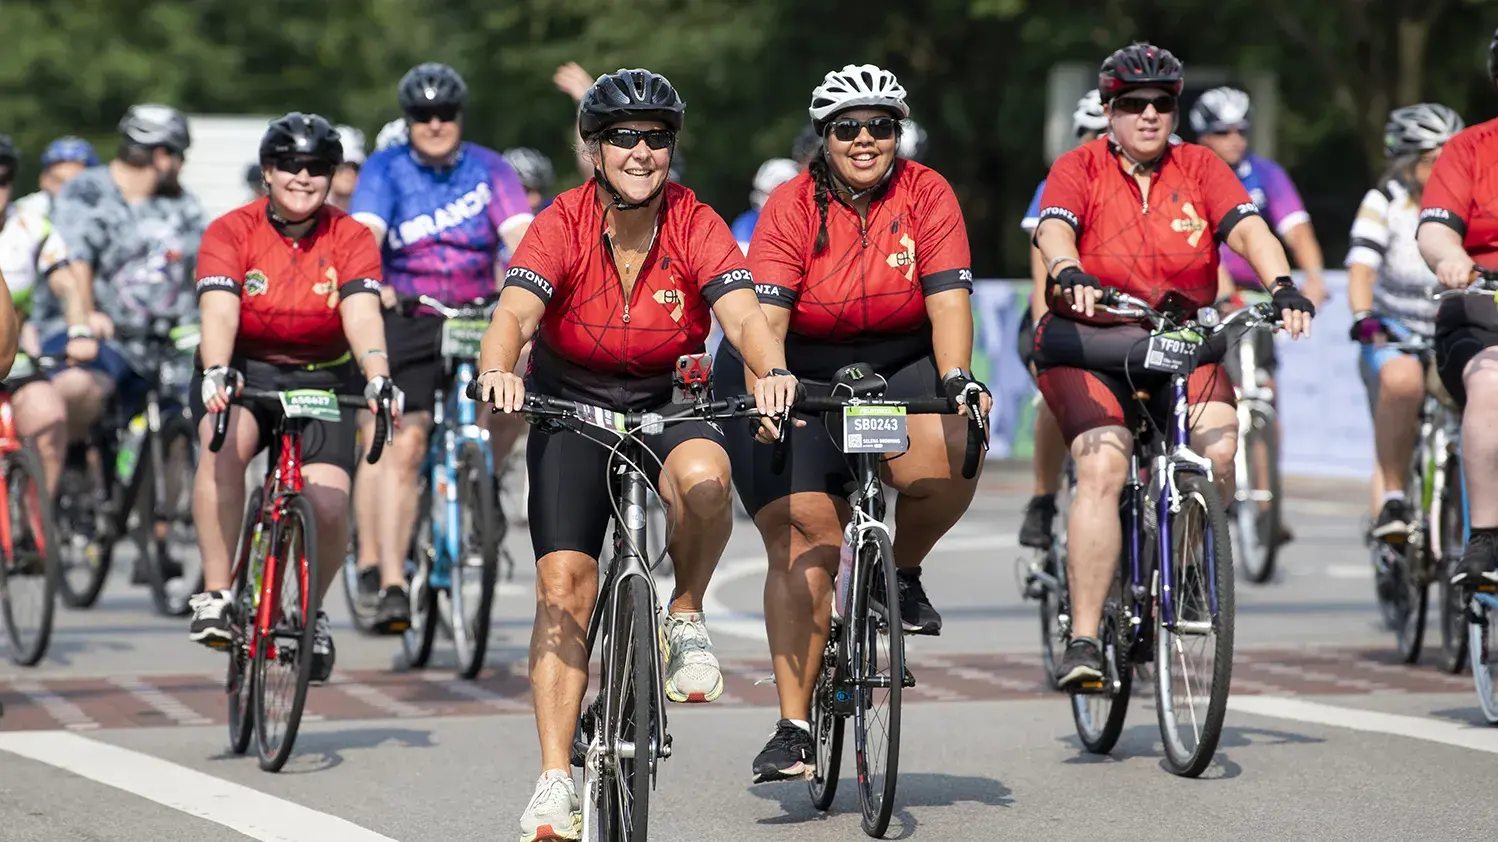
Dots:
pixel 212 619
pixel 554 811
pixel 692 671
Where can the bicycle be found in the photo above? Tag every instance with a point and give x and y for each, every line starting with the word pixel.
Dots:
pixel 1160 599
pixel 1255 522
pixel 866 646
pixel 1045 578
pixel 460 529
pixel 28 541
pixel 99 496
pixel 621 736
pixel 275 572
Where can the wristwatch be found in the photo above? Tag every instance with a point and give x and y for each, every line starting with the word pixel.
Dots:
pixel 778 372
pixel 956 373
pixel 80 332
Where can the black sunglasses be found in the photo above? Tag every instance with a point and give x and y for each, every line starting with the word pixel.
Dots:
pixel 315 167
pixel 848 129
pixel 428 113
pixel 1137 104
pixel 630 138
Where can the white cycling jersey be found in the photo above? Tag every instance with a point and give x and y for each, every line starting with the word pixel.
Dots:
pixel 1383 239
pixel 30 248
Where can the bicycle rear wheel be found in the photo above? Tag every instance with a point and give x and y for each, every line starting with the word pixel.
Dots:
pixel 249 563
pixel 86 549
pixel 1054 620
pixel 1194 657
pixel 1257 513
pixel 876 651
pixel 1482 645
pixel 476 568
pixel 630 738
pixel 1099 715
pixel 164 535
pixel 1452 531
pixel 416 640
pixel 283 660
pixel 826 728
pixel 29 569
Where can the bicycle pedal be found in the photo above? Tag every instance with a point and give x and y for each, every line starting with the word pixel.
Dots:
pixel 1089 688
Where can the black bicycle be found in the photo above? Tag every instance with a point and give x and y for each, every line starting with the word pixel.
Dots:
pixel 863 668
pixel 621 736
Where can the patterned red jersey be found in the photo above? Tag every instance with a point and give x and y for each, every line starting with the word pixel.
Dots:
pixel 873 277
pixel 566 260
pixel 1147 249
pixel 1462 191
pixel 289 289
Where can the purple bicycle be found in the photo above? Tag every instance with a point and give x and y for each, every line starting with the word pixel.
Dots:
pixel 1172 598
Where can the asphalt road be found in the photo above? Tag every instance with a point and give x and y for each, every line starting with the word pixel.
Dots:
pixel 119 734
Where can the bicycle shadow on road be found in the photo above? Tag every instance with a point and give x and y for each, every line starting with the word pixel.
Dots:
pixel 1143 741
pixel 321 751
pixel 916 789
pixel 1470 716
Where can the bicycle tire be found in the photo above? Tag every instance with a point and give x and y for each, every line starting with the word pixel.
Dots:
pixel 1482 649
pixel 637 663
pixel 74 484
pixel 238 686
pixel 296 555
pixel 416 640
pixel 868 622
pixel 1193 759
pixel 476 505
pixel 361 608
pixel 155 551
pixel 1099 717
pixel 1411 564
pixel 1452 528
pixel 1053 602
pixel 826 729
pixel 24 467
pixel 1260 551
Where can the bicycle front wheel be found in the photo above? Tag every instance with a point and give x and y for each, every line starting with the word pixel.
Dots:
pixel 29 567
pixel 476 568
pixel 283 658
pixel 164 535
pixel 1194 655
pixel 876 649
pixel 1257 514
pixel 87 549
pixel 416 640
pixel 1452 529
pixel 826 728
pixel 630 739
pixel 250 567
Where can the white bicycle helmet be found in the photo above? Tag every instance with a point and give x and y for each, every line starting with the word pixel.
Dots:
pixel 1089 116
pixel 394 133
pixel 771 175
pixel 353 144
pixel 856 86
pixel 1221 109
pixel 1416 128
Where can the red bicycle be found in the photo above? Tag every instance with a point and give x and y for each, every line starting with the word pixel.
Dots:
pixel 29 565
pixel 275 576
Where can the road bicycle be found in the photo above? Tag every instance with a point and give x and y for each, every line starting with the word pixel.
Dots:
pixel 1255 517
pixel 863 670
pixel 29 566
pixel 275 598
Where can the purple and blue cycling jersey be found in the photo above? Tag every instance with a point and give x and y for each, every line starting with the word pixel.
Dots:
pixel 1270 188
pixel 442 227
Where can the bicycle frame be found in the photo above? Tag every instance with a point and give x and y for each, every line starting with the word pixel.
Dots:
pixel 868 509
pixel 9 443
pixel 456 416
pixel 282 481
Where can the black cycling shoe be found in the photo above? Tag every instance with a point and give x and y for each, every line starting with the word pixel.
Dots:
pixel 916 614
pixel 786 756
pixel 393 614
pixel 369 582
pixel 1081 665
pixel 324 654
pixel 1035 532
pixel 1393 524
pixel 1479 560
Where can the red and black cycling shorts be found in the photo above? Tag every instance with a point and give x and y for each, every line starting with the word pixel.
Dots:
pixel 1090 374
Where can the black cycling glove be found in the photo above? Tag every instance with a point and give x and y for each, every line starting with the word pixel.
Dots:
pixel 1287 296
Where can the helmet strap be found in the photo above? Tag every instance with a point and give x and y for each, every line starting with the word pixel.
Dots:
pixel 280 221
pixel 618 200
pixel 1137 167
pixel 841 187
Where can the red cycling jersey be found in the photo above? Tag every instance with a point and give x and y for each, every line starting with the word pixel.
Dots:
pixel 289 289
pixel 872 278
pixel 565 259
pixel 1462 192
pixel 1147 249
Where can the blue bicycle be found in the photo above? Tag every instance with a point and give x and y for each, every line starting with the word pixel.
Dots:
pixel 460 529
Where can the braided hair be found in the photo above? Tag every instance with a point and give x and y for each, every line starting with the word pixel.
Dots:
pixel 821 176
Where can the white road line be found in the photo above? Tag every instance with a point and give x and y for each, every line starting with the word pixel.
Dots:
pixel 239 808
pixel 164 704
pixel 1303 674
pixel 459 687
pixel 1477 738
pixel 66 713
pixel 378 698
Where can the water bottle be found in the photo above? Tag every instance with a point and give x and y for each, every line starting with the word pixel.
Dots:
pixel 129 456
pixel 844 579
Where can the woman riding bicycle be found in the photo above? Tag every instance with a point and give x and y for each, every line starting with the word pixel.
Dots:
pixel 1389 288
pixel 615 280
pixel 1134 212
pixel 863 258
pixel 282 285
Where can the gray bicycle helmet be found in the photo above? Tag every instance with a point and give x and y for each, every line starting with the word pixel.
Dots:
pixel 1417 128
pixel 153 125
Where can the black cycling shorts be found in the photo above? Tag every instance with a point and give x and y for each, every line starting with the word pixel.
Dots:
pixel 416 363
pixel 814 462
pixel 569 494
pixel 1025 341
pixel 322 443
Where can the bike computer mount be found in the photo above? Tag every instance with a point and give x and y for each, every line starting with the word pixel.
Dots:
pixel 691 380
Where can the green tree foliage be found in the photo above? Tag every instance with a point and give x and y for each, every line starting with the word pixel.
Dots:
pixel 976 71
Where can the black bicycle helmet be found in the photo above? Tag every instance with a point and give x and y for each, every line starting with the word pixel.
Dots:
pixel 629 95
pixel 1139 66
pixel 155 125
pixel 309 135
pixel 432 84
pixel 10 156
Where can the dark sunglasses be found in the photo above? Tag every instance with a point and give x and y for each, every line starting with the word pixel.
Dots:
pixel 315 167
pixel 428 113
pixel 630 138
pixel 1138 104
pixel 880 128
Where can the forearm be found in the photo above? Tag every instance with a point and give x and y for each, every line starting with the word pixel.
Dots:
pixel 1252 239
pixel 1057 243
pixel 503 339
pixel 220 327
pixel 750 333
pixel 1307 251
pixel 1360 281
pixel 1437 243
pixel 1038 305
pixel 10 329
pixel 72 284
pixel 364 327
pixel 951 315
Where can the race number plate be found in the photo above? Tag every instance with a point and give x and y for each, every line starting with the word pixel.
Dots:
pixel 313 404
pixel 461 337
pixel 1174 352
pixel 874 429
